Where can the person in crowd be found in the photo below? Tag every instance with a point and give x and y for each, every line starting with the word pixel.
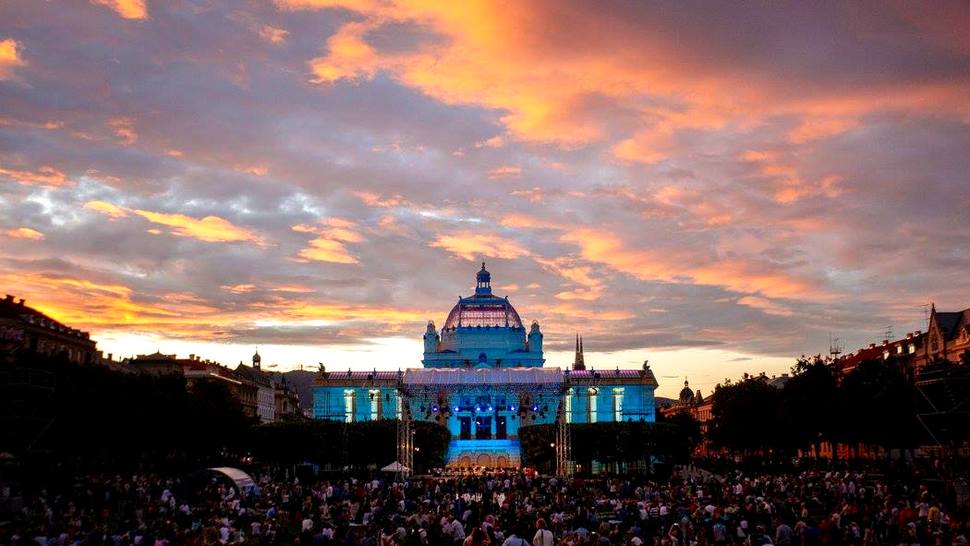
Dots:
pixel 502 507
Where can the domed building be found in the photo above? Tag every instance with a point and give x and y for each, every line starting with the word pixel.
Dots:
pixel 686 395
pixel 483 331
pixel 483 377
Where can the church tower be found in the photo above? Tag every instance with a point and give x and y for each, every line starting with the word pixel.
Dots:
pixel 257 360
pixel 579 361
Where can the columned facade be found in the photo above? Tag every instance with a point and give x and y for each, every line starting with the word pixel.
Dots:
pixel 483 378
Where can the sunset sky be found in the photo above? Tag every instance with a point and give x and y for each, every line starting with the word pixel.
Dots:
pixel 714 186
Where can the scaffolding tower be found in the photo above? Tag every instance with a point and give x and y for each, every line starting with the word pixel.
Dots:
pixel 564 439
pixel 405 439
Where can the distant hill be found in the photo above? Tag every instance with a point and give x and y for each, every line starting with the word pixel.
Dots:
pixel 302 382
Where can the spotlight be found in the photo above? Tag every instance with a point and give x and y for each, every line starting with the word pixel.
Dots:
pixel 511 408
pixel 490 408
pixel 478 408
pixel 535 408
pixel 434 408
pixel 456 408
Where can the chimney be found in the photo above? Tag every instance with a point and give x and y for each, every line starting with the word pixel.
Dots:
pixel 918 333
pixel 9 298
pixel 21 302
pixel 909 335
pixel 192 356
pixel 872 345
pixel 109 356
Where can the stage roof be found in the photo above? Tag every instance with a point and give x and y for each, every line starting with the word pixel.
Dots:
pixel 483 376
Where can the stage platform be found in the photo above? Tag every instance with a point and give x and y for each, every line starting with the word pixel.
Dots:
pixel 487 453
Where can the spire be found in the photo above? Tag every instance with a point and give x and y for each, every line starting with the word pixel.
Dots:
pixel 579 363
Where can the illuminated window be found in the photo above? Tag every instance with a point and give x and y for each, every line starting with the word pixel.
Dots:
pixel 592 405
pixel 885 354
pixel 375 405
pixel 899 349
pixel 618 404
pixel 349 406
pixel 569 406
pixel 397 406
pixel 912 348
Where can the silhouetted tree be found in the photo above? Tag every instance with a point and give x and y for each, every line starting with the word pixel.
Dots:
pixel 881 405
pixel 745 416
pixel 812 409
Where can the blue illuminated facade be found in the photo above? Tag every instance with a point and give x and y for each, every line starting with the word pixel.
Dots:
pixel 483 378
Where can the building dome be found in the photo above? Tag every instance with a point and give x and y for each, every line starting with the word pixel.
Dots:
pixel 483 310
pixel 686 395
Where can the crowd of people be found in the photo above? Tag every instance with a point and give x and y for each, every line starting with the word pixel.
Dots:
pixel 498 508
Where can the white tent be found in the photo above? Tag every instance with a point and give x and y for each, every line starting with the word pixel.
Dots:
pixel 244 482
pixel 396 467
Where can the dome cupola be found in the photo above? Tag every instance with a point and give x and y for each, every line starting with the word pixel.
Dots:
pixel 483 284
pixel 483 309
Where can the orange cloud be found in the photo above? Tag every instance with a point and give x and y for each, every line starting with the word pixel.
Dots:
pixel 473 246
pixel 124 129
pixel 210 229
pixel 550 92
pixel 351 58
pixel 330 245
pixel 572 312
pixel 46 176
pixel 239 288
pixel 372 199
pixel 816 128
pixel 255 170
pixel 788 185
pixel 327 250
pixel 681 266
pixel 9 58
pixel 494 142
pixel 298 310
pixel 526 221
pixel 24 233
pixel 766 305
pixel 108 209
pixel 11 122
pixel 273 34
pixel 128 9
pixel 505 171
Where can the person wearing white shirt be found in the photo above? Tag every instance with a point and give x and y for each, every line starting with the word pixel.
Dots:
pixel 543 536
